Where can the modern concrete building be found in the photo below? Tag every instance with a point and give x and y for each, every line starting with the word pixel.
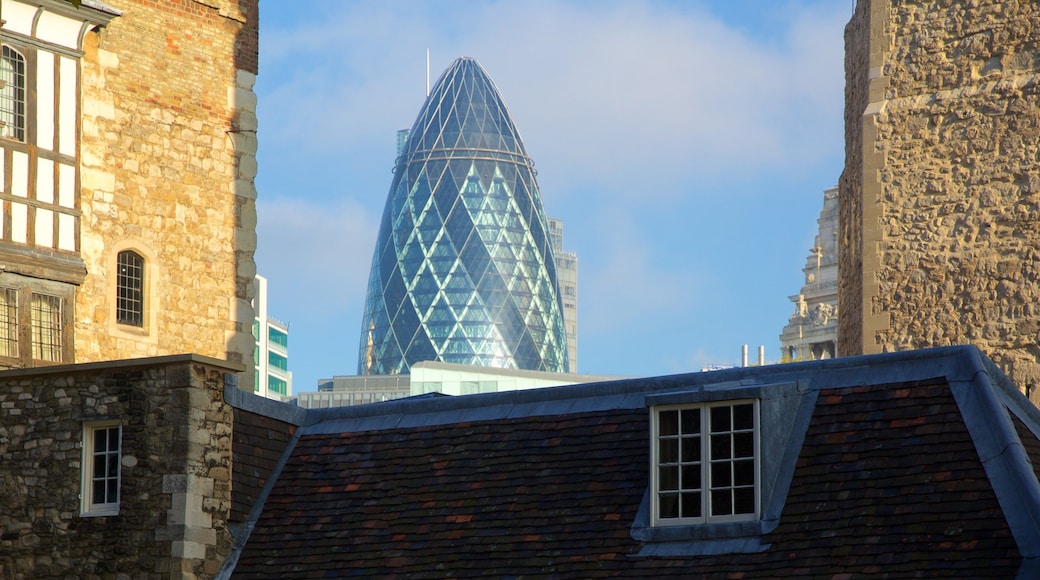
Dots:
pixel 463 270
pixel 271 357
pixel 432 377
pixel 812 331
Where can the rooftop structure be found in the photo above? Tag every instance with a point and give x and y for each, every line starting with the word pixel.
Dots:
pixel 861 466
pixel 463 270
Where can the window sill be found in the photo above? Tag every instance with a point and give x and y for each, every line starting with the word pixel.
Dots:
pixel 698 539
pixel 98 513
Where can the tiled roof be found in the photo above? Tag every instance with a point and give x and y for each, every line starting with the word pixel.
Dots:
pixel 888 481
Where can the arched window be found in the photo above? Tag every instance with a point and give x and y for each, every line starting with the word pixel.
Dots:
pixel 12 94
pixel 130 288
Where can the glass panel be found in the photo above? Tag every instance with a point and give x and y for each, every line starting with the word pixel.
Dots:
pixel 668 423
pixel 719 419
pixel 100 441
pixel 98 493
pixel 113 465
pixel 744 416
pixel 99 466
pixel 691 505
pixel 691 476
pixel 669 451
pixel 113 491
pixel 691 421
pixel 743 444
pixel 691 449
pixel 720 475
pixel 113 439
pixel 744 500
pixel 669 478
pixel 720 446
pixel 668 504
pixel 744 472
pixel 721 503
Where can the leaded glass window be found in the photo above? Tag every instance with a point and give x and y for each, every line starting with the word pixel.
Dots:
pixel 130 289
pixel 8 322
pixel 12 94
pixel 46 322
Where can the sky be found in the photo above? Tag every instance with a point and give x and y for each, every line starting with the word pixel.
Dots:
pixel 685 145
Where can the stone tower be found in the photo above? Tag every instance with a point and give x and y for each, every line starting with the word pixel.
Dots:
pixel 127 158
pixel 940 198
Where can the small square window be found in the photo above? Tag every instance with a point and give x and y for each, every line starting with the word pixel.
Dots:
pixel 706 463
pixel 102 453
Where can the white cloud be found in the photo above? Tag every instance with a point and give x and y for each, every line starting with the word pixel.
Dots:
pixel 321 252
pixel 633 98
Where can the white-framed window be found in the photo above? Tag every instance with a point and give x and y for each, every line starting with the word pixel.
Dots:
pixel 102 452
pixel 705 463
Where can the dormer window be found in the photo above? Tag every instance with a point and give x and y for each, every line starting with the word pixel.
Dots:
pixel 12 94
pixel 706 463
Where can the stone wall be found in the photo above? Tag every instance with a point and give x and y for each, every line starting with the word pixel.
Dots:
pixel 175 482
pixel 168 143
pixel 941 191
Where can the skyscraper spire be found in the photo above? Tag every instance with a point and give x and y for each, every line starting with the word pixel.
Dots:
pixel 463 268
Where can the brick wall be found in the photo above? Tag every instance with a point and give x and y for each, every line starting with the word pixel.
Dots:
pixel 941 190
pixel 168 141
pixel 176 461
pixel 259 443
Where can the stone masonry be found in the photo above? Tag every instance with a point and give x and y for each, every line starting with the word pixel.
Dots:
pixel 175 496
pixel 168 143
pixel 940 198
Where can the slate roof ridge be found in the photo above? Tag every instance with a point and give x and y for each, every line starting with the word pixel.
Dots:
pixel 631 393
pixel 983 402
pixel 246 529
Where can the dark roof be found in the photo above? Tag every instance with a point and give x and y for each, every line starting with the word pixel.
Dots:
pixel 903 464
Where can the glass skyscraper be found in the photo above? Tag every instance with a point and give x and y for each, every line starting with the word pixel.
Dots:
pixel 463 270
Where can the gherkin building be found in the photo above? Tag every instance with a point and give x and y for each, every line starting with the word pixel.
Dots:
pixel 463 269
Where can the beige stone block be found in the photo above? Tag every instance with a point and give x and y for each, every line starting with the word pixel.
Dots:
pixel 99 108
pixel 97 179
pixel 244 79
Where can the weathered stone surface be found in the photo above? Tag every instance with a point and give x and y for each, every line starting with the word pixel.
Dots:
pixel 174 499
pixel 168 160
pixel 940 198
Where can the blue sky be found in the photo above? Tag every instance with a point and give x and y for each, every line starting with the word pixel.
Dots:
pixel 685 145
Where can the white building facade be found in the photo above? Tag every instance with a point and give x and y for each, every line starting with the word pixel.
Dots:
pixel 273 379
pixel 812 330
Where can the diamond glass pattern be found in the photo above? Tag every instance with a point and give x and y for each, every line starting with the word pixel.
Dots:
pixel 463 270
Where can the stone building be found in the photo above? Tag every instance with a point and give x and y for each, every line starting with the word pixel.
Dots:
pixel 812 330
pixel 127 157
pixel 127 231
pixel 940 197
